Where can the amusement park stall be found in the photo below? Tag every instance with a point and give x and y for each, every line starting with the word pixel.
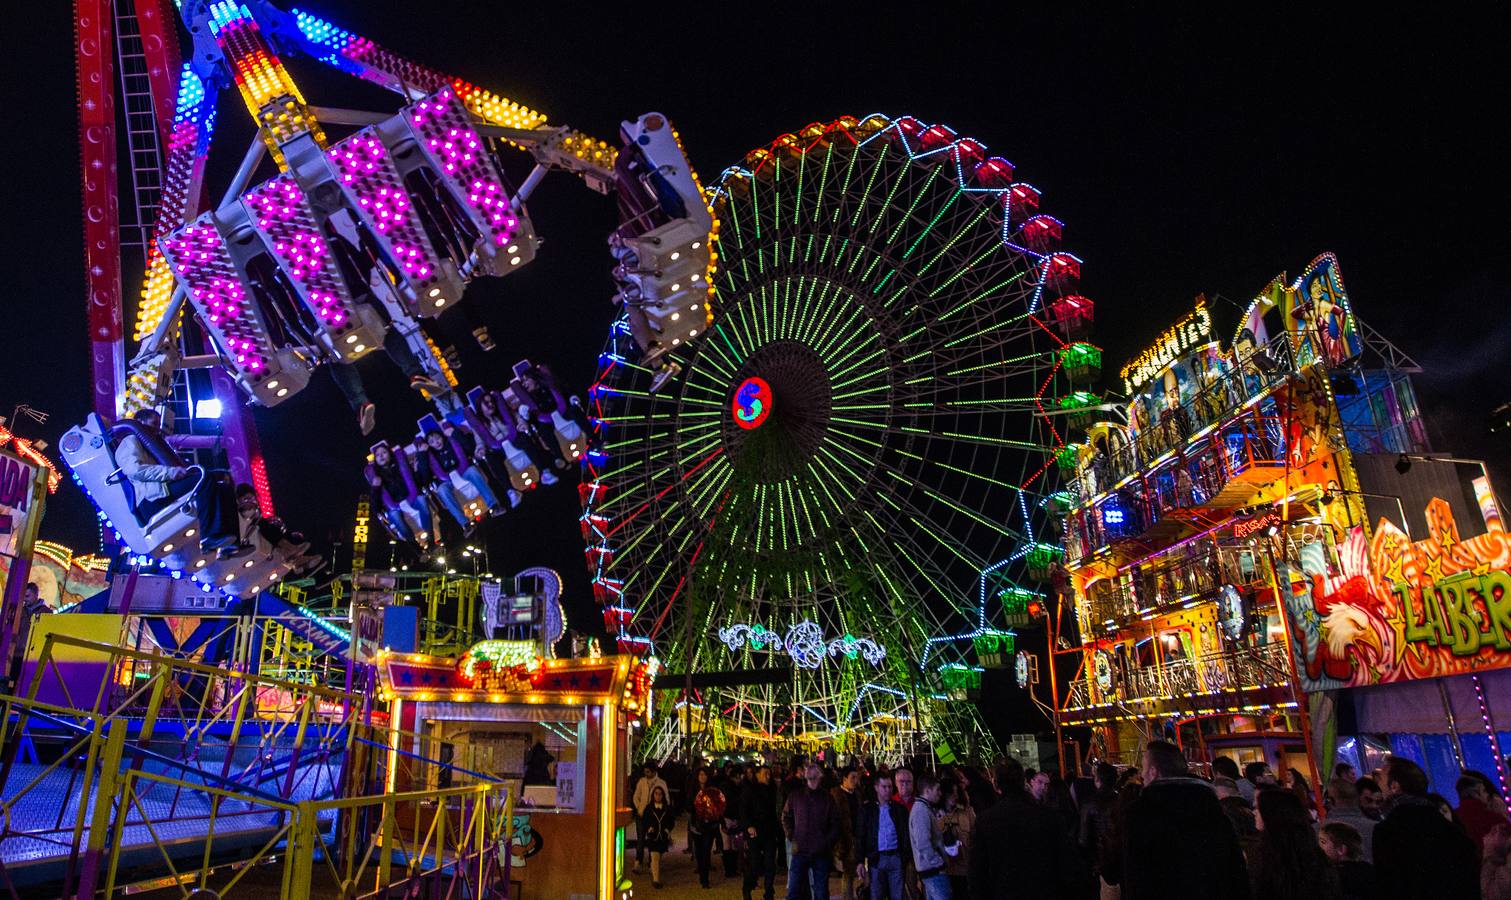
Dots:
pixel 556 730
pixel 23 493
pixel 1261 537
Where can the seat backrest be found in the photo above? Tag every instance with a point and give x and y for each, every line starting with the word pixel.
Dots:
pixel 125 483
pixel 155 443
pixel 88 451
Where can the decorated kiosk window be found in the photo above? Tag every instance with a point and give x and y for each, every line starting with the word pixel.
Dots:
pixel 541 760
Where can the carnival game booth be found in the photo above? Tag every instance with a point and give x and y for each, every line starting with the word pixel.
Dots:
pixel 555 730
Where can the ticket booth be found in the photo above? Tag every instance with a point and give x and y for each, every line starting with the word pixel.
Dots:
pixel 556 730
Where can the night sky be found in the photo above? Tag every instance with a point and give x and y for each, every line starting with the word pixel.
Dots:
pixel 1185 154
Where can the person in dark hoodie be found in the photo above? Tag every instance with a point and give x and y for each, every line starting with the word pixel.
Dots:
pixel 1417 852
pixel 763 830
pixel 1177 842
pixel 1020 848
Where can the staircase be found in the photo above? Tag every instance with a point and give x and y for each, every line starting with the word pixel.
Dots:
pixel 142 146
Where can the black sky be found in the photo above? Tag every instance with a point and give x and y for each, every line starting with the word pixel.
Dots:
pixel 1185 152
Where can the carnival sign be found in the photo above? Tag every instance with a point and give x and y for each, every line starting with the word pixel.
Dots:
pixel 1187 334
pixel 21 487
pixel 1402 610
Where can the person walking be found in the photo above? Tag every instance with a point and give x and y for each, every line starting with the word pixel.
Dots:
pixel 881 841
pixel 1344 849
pixel 1018 848
pixel 733 785
pixel 1495 868
pixel 1478 809
pixel 640 799
pixel 763 831
pixel 1095 816
pixel 847 800
pixel 705 822
pixel 1290 864
pixel 1177 843
pixel 958 825
pixel 656 826
pixel 812 822
pixel 1418 852
pixel 925 834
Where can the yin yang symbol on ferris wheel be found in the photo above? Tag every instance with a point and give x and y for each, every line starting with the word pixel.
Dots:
pixel 752 403
pixel 865 427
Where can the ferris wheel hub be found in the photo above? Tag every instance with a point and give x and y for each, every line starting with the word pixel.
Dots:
pixel 793 424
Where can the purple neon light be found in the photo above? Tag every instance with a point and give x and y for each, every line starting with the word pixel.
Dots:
pixel 281 214
pixel 446 131
pixel 369 176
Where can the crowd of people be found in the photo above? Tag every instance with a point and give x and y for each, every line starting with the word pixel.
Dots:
pixel 1161 830
pixel 479 461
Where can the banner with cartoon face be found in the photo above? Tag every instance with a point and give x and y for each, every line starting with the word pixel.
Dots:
pixel 1393 609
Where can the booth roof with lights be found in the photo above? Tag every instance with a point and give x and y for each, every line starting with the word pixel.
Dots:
pixel 500 703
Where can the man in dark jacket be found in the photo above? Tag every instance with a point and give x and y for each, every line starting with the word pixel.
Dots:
pixel 881 841
pixel 1177 842
pixel 763 831
pixel 733 784
pixel 1096 816
pixel 1418 853
pixel 847 799
pixel 811 821
pixel 1019 849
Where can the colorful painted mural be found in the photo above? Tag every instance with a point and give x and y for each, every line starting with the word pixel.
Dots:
pixel 1391 609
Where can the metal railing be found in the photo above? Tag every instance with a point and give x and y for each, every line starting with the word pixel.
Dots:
pixel 1262 370
pixel 1211 673
pixel 1193 480
pixel 121 767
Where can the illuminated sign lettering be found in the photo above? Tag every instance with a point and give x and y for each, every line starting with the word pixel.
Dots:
pixel 1245 527
pixel 1191 332
pixel 359 537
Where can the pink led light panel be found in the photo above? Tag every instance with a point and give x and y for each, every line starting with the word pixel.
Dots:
pixel 200 260
pixel 367 174
pixel 448 136
pixel 281 214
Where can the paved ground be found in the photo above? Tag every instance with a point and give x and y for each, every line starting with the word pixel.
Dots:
pixel 678 875
pixel 679 878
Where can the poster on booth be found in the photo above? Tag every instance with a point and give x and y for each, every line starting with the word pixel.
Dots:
pixel 1314 312
pixel 1399 609
pixel 23 485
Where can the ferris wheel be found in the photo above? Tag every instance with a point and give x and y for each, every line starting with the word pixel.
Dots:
pixel 864 430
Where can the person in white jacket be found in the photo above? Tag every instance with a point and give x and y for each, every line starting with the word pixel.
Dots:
pixel 159 479
pixel 927 841
pixel 648 782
